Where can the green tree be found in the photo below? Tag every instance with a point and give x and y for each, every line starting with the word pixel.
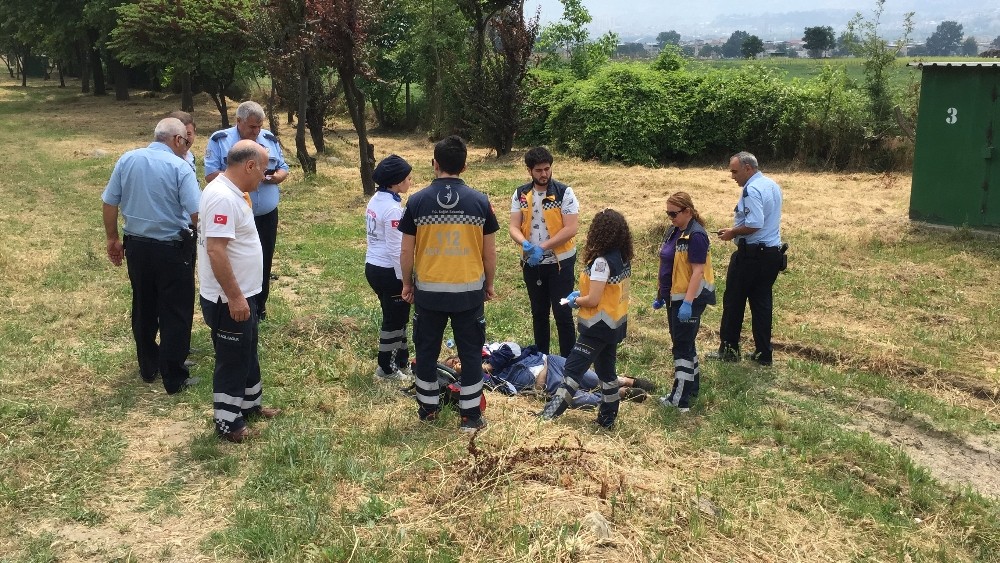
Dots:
pixel 751 47
pixel 569 38
pixel 392 58
pixel 668 38
pixel 970 48
pixel 879 58
pixel 208 38
pixel 630 51
pixel 844 42
pixel 671 58
pixel 996 42
pixel 497 118
pixel 340 29
pixel 946 39
pixel 818 40
pixel 732 48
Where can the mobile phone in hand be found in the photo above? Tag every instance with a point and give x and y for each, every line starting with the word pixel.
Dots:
pixel 270 172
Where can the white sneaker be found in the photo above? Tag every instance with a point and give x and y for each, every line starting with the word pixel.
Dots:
pixel 665 401
pixel 394 376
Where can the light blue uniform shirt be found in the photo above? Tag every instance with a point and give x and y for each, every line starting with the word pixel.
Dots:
pixel 155 190
pixel 189 158
pixel 265 198
pixel 760 208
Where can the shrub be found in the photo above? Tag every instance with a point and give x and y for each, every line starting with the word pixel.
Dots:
pixel 750 108
pixel 626 112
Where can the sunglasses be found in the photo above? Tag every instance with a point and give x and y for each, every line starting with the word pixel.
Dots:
pixel 184 140
pixel 674 214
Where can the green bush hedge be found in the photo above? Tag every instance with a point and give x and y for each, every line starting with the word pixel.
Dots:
pixel 636 114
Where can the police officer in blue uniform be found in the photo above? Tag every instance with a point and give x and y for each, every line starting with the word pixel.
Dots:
pixel 755 265
pixel 189 126
pixel 157 193
pixel 249 123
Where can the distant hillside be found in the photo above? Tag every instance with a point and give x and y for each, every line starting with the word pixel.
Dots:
pixel 782 20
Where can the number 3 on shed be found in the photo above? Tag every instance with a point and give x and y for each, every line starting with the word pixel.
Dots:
pixel 952 116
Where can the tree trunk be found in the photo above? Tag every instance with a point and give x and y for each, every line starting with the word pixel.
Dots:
pixel 97 67
pixel 83 54
pixel 220 104
pixel 62 76
pixel 24 61
pixel 355 101
pixel 301 151
pixel 409 108
pixel 187 98
pixel 272 122
pixel 314 121
pixel 120 76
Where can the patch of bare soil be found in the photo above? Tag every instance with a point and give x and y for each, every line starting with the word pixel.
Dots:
pixel 957 461
pixel 920 376
pixel 134 527
pixel 972 462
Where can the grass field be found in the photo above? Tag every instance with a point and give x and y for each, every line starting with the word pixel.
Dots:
pixel 875 436
pixel 902 78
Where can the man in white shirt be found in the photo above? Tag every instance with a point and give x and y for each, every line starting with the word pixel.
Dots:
pixel 231 270
pixel 544 218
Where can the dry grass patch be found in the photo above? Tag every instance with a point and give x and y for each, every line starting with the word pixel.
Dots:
pixel 866 292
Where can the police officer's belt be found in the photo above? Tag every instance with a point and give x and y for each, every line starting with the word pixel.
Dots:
pixel 754 249
pixel 173 243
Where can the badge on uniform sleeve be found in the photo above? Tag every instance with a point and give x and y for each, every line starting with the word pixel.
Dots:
pixel 221 219
pixel 394 223
pixel 599 267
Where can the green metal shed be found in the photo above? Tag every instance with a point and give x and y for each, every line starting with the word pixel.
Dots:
pixel 956 168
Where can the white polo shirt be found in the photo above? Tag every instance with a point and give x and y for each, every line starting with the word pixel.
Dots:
pixel 224 213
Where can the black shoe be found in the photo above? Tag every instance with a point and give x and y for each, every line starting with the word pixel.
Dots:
pixel 727 355
pixel 189 382
pixel 605 422
pixel 644 384
pixel 762 358
pixel 472 425
pixel 150 379
pixel 634 394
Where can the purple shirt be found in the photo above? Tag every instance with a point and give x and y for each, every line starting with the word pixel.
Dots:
pixel 697 254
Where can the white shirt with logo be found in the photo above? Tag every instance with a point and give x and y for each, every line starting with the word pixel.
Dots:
pixel 539 232
pixel 224 213
pixel 384 239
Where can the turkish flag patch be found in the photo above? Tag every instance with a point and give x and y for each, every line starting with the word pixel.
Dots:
pixel 221 219
pixel 395 223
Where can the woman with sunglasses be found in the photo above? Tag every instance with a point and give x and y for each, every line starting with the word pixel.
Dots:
pixel 686 286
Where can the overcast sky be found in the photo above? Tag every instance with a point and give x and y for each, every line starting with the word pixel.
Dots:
pixel 773 17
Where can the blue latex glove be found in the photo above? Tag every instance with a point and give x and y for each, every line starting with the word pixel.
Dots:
pixel 658 303
pixel 572 299
pixel 526 246
pixel 684 314
pixel 535 255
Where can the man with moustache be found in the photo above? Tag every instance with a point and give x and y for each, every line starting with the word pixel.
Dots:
pixel 231 270
pixel 249 123
pixel 157 194
pixel 755 265
pixel 544 218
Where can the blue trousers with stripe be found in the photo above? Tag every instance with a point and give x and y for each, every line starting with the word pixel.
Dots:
pixel 469 328
pixel 687 374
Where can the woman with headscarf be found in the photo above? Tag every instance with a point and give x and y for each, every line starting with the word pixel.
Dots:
pixel 382 270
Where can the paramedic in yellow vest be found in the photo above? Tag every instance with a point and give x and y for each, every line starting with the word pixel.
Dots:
pixel 686 287
pixel 603 319
pixel 544 217
pixel 448 261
